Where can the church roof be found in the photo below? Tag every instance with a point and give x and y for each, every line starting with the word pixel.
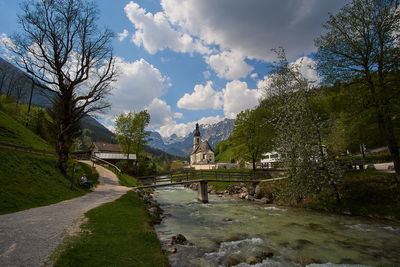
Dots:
pixel 204 146
pixel 196 132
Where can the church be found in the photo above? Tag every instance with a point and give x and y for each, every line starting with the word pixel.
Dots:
pixel 202 153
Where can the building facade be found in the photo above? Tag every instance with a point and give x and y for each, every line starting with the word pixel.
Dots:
pixel 202 152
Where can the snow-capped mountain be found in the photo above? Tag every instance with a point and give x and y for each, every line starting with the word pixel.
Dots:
pixel 182 146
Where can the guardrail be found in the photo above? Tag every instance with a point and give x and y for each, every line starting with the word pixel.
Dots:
pixel 94 158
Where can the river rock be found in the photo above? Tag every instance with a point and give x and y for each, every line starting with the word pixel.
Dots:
pixel 179 239
pixel 243 195
pixel 172 250
pixel 268 254
pixel 249 197
pixel 254 260
pixel 231 261
pixel 258 192
pixel 252 191
pixel 265 200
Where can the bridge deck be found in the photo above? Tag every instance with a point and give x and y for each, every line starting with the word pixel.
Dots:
pixel 208 180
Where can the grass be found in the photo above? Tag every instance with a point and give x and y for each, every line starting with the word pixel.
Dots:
pixel 116 234
pixel 12 132
pixel 29 181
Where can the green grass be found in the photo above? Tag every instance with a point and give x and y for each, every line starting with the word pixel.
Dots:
pixel 29 181
pixel 11 131
pixel 116 234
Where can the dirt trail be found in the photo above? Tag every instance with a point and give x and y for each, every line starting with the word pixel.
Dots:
pixel 28 238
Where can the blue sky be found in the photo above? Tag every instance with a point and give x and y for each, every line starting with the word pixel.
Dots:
pixel 189 61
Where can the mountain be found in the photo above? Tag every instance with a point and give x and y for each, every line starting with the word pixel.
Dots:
pixel 182 146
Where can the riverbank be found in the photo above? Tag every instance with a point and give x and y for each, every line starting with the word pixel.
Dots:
pixel 367 193
pixel 119 233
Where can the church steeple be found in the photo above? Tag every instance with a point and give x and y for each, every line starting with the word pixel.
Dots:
pixel 196 137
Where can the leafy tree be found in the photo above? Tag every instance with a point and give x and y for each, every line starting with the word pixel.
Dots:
pixel 67 56
pixel 253 131
pixel 361 46
pixel 131 134
pixel 299 133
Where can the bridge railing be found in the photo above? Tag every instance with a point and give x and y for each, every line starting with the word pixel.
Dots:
pixel 187 175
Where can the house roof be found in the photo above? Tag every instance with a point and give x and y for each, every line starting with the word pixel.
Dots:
pixel 204 146
pixel 106 147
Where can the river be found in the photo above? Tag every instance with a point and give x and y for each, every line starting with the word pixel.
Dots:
pixel 230 232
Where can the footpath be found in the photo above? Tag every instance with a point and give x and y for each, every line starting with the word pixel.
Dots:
pixel 29 237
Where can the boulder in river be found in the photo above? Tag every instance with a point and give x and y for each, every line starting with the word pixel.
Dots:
pixel 179 239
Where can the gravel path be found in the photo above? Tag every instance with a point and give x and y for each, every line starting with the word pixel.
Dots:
pixel 28 238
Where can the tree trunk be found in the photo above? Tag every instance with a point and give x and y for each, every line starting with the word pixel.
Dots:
pixel 254 164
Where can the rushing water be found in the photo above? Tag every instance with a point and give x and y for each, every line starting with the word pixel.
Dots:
pixel 232 232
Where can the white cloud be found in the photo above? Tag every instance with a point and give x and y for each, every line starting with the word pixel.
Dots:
pixel 155 33
pixel 138 83
pixel 160 113
pixel 306 67
pixel 203 97
pixel 253 27
pixel 122 35
pixel 183 129
pixel 206 74
pixel 229 65
pixel 238 97
pixel 254 75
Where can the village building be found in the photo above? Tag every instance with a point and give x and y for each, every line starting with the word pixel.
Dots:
pixel 109 152
pixel 202 154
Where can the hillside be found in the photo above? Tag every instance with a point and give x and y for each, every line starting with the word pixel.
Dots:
pixel 13 132
pixel 29 180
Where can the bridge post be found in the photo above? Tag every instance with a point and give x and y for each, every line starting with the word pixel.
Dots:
pixel 202 192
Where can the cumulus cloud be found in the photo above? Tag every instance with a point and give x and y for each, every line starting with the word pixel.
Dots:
pixel 253 27
pixel 237 97
pixel 305 65
pixel 229 65
pixel 155 33
pixel 160 113
pixel 254 76
pixel 122 35
pixel 139 82
pixel 183 129
pixel 203 97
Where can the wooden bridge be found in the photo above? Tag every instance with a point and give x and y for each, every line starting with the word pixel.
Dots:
pixel 188 176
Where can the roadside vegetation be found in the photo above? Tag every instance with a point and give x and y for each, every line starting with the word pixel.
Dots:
pixel 29 181
pixel 33 180
pixel 118 233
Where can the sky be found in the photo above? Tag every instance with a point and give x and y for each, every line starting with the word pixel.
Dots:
pixel 189 61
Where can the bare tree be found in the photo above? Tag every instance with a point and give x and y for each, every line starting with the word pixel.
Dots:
pixel 362 45
pixel 66 54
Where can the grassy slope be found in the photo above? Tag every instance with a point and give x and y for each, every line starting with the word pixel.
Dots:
pixel 15 133
pixel 117 234
pixel 29 181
